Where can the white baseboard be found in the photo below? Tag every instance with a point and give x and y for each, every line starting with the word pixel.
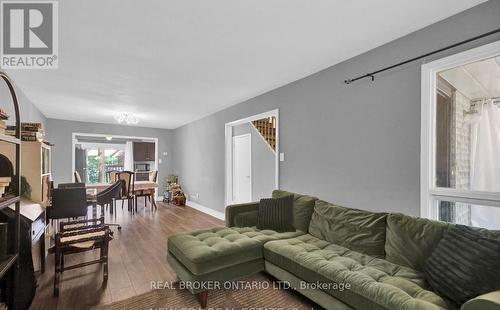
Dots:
pixel 212 212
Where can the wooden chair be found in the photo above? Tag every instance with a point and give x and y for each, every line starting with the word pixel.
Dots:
pixel 109 196
pixel 148 194
pixel 127 189
pixel 112 176
pixel 81 236
pixel 78 178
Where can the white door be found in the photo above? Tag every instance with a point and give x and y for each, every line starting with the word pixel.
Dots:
pixel 242 168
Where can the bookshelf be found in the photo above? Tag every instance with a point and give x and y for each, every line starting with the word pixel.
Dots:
pixel 11 148
pixel 37 169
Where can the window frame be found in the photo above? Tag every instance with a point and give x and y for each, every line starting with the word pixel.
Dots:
pixel 429 193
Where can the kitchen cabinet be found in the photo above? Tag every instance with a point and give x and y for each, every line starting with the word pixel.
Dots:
pixel 144 151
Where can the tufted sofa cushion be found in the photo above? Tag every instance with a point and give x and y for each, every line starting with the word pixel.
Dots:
pixel 208 250
pixel 374 282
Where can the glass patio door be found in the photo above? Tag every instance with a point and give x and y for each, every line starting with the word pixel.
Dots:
pixel 102 159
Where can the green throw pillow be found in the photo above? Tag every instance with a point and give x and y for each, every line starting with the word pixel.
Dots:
pixel 276 214
pixel 303 207
pixel 464 265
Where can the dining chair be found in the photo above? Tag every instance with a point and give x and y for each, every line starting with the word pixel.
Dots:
pixel 127 189
pixel 105 198
pixel 108 197
pixel 68 202
pixel 149 193
pixel 112 176
pixel 78 178
pixel 71 185
pixel 153 176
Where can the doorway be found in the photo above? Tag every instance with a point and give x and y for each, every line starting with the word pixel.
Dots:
pixel 252 157
pixel 94 155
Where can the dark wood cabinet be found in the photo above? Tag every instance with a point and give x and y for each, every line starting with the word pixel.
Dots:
pixel 144 151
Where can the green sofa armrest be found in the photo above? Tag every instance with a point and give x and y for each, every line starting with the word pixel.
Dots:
pixel 489 301
pixel 233 210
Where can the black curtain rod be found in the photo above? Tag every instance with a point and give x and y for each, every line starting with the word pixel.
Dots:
pixel 372 74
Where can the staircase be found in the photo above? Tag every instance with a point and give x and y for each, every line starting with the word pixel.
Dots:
pixel 267 129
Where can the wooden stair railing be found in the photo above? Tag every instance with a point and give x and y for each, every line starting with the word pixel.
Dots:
pixel 267 129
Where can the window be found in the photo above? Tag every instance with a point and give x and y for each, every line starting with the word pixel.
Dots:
pixel 101 160
pixel 460 164
pixel 94 160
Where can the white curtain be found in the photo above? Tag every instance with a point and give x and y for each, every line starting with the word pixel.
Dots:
pixel 485 162
pixel 129 156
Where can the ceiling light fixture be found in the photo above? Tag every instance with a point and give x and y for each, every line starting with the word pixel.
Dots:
pixel 109 138
pixel 126 118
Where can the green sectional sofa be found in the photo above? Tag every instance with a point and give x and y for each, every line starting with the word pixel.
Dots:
pixel 340 258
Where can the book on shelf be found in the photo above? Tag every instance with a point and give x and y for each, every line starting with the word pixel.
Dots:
pixel 31 126
pixel 2 190
pixel 31 133
pixel 3 125
pixel 30 129
pixel 3 114
pixel 32 136
pixel 10 130
pixel 29 138
pixel 5 179
pixel 4 184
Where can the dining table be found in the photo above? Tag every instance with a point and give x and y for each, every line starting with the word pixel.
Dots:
pixel 95 188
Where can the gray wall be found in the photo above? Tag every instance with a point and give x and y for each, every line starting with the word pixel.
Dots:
pixel 263 162
pixel 27 110
pixel 60 132
pixel 357 145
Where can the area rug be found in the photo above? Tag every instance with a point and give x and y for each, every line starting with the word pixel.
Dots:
pixel 258 291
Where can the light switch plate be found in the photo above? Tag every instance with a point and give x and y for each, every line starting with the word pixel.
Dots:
pixel 282 156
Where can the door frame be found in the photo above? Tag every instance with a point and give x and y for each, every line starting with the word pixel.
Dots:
pixel 73 142
pixel 251 160
pixel 229 154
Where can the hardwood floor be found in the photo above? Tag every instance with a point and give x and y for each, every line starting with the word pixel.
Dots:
pixel 136 257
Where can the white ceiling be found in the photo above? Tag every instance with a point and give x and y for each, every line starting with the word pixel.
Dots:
pixel 172 62
pixel 476 80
